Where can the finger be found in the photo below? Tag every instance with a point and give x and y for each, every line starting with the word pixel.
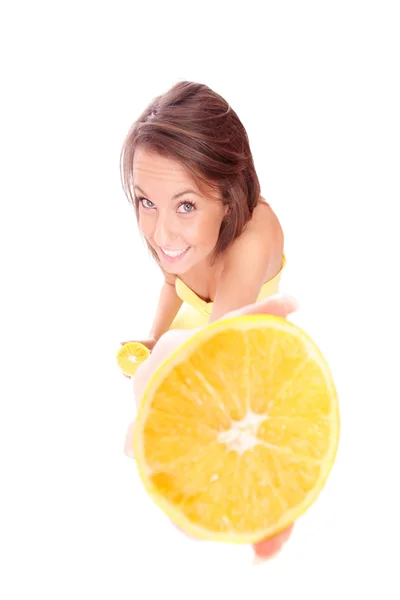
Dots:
pixel 162 350
pixel 128 446
pixel 279 305
pixel 270 547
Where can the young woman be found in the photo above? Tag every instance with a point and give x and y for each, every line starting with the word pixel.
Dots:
pixel 188 170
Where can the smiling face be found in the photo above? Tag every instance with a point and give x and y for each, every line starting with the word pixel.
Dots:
pixel 175 217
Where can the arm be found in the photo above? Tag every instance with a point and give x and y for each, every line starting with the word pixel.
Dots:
pixel 168 305
pixel 254 258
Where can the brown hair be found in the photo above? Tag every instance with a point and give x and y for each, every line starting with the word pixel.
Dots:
pixel 194 125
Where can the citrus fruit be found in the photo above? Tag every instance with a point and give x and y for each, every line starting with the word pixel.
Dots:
pixel 130 356
pixel 237 430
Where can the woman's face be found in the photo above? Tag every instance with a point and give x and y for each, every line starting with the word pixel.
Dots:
pixel 176 218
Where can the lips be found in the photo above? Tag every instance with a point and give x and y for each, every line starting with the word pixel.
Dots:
pixel 173 255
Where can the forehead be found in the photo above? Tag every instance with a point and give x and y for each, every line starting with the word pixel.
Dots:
pixel 155 169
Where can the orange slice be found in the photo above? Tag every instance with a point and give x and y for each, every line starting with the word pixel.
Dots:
pixel 130 356
pixel 238 429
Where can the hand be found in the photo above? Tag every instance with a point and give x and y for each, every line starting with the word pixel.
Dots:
pixel 278 305
pixel 149 343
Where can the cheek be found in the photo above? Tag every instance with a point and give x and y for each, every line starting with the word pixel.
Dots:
pixel 205 231
pixel 211 231
pixel 145 225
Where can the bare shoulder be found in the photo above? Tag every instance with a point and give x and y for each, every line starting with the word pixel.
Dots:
pixel 254 258
pixel 264 220
pixel 263 237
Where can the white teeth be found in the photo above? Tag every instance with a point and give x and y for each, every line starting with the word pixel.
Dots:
pixel 173 253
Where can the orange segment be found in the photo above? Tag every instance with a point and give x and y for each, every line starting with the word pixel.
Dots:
pixel 238 429
pixel 130 356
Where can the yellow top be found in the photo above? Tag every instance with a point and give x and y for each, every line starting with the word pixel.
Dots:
pixel 186 294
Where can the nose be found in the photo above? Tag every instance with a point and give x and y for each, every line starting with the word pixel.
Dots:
pixel 164 234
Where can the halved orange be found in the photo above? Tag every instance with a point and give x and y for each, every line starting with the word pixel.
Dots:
pixel 130 356
pixel 238 429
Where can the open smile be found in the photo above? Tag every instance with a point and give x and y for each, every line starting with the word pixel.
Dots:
pixel 173 255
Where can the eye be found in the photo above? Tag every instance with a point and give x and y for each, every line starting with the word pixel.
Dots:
pixel 146 203
pixel 187 207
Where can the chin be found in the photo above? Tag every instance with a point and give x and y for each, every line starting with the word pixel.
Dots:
pixel 174 269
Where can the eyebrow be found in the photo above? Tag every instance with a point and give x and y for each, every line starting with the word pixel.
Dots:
pixel 187 191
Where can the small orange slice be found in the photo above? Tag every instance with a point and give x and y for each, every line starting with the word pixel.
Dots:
pixel 238 429
pixel 130 356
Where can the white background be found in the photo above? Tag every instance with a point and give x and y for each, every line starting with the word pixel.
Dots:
pixel 316 85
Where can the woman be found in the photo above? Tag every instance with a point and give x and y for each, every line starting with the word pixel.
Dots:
pixel 188 170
